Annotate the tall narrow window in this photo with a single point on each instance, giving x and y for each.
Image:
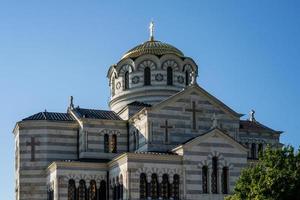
(102, 193)
(137, 139)
(214, 176)
(93, 190)
(248, 152)
(71, 190)
(106, 143)
(204, 179)
(147, 76)
(143, 186)
(113, 87)
(253, 150)
(50, 194)
(169, 76)
(126, 80)
(81, 190)
(187, 77)
(165, 187)
(154, 186)
(114, 143)
(134, 140)
(176, 187)
(115, 192)
(260, 148)
(225, 180)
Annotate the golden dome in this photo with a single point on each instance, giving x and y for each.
(152, 47)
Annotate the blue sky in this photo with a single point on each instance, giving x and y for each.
(247, 52)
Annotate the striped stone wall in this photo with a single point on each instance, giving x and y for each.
(54, 141)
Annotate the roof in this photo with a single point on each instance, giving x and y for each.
(51, 116)
(248, 125)
(152, 47)
(96, 114)
(139, 103)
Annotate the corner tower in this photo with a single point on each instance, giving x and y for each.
(149, 73)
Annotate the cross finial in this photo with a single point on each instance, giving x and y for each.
(215, 121)
(151, 28)
(71, 102)
(252, 115)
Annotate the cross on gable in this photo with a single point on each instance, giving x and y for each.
(166, 127)
(193, 110)
(32, 144)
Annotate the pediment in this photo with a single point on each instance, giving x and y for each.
(199, 94)
(212, 135)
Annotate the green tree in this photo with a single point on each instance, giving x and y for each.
(275, 177)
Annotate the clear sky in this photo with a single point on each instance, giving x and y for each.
(247, 52)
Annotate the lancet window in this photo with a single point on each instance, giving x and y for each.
(143, 186)
(214, 176)
(126, 80)
(154, 186)
(176, 187)
(147, 76)
(165, 187)
(169, 76)
(187, 77)
(71, 190)
(260, 148)
(204, 179)
(93, 190)
(102, 192)
(225, 180)
(114, 143)
(253, 150)
(106, 143)
(82, 190)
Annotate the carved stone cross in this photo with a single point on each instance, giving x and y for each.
(166, 127)
(193, 110)
(32, 144)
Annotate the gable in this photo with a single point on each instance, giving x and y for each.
(214, 139)
(200, 96)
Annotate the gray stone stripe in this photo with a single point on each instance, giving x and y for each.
(232, 155)
(29, 184)
(32, 168)
(165, 116)
(70, 168)
(96, 150)
(118, 125)
(184, 100)
(195, 182)
(48, 135)
(242, 165)
(172, 108)
(155, 161)
(194, 191)
(36, 160)
(237, 174)
(53, 144)
(48, 152)
(216, 145)
(193, 172)
(204, 102)
(49, 128)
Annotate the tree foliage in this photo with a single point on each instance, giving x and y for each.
(275, 177)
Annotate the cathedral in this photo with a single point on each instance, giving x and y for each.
(164, 137)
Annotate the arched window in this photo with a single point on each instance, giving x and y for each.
(165, 187)
(93, 190)
(126, 80)
(115, 192)
(143, 186)
(214, 176)
(147, 76)
(154, 186)
(50, 194)
(113, 87)
(225, 180)
(137, 140)
(106, 143)
(102, 193)
(81, 190)
(134, 140)
(169, 76)
(176, 187)
(253, 150)
(187, 77)
(114, 143)
(248, 152)
(71, 190)
(204, 179)
(260, 148)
